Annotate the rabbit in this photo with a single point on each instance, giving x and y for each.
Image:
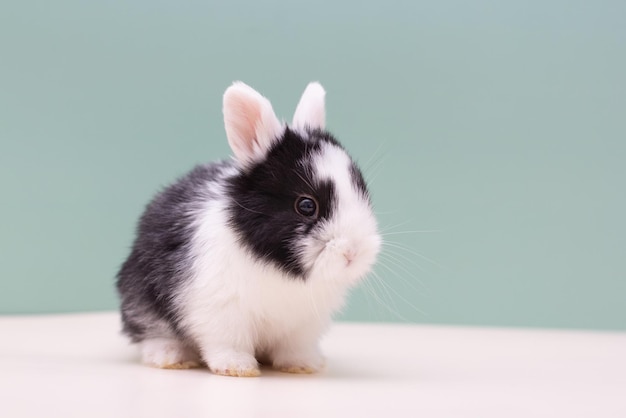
(246, 260)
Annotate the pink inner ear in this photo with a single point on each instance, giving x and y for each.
(250, 123)
(249, 115)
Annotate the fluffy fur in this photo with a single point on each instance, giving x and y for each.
(225, 271)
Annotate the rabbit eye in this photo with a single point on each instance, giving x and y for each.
(306, 206)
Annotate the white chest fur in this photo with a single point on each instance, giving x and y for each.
(233, 295)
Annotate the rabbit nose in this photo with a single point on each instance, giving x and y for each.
(344, 247)
(349, 255)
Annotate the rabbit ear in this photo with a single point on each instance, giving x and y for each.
(311, 110)
(250, 122)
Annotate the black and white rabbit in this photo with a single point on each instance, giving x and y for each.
(249, 258)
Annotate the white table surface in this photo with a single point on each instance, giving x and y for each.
(79, 366)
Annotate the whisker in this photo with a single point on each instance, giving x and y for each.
(394, 310)
(373, 156)
(398, 258)
(371, 177)
(389, 212)
(391, 227)
(371, 171)
(248, 209)
(402, 297)
(401, 276)
(393, 251)
(371, 291)
(417, 231)
(410, 251)
(307, 182)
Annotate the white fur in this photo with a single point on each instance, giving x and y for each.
(250, 122)
(311, 110)
(168, 353)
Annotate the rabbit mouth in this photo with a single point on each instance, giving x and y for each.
(340, 259)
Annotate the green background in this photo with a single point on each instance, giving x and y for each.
(496, 128)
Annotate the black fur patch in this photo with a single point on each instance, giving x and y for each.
(359, 181)
(159, 261)
(263, 200)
